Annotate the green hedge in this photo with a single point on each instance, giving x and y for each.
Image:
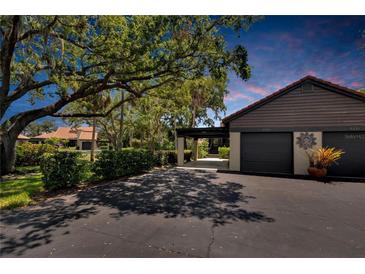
(223, 152)
(203, 148)
(187, 155)
(62, 169)
(113, 164)
(28, 154)
(164, 157)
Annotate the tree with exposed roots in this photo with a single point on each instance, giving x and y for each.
(63, 59)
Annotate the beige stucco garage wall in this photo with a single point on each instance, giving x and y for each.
(301, 162)
(235, 149)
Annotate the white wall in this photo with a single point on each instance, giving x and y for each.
(180, 151)
(235, 151)
(301, 162)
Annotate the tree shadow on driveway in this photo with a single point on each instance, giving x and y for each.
(36, 227)
(175, 193)
(171, 193)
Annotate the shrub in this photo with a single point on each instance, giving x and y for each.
(223, 152)
(103, 147)
(203, 147)
(113, 164)
(164, 157)
(62, 169)
(324, 157)
(54, 141)
(28, 154)
(187, 155)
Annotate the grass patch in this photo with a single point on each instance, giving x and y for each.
(27, 169)
(18, 192)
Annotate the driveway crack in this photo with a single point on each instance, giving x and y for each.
(212, 239)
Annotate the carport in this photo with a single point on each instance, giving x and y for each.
(196, 133)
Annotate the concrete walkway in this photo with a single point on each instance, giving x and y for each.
(193, 213)
(208, 163)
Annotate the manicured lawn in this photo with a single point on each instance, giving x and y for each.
(18, 191)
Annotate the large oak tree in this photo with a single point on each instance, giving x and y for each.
(62, 59)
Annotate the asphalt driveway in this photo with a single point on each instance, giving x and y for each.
(193, 213)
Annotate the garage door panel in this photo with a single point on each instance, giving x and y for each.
(267, 156)
(266, 152)
(266, 167)
(352, 163)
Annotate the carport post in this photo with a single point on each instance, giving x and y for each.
(180, 151)
(195, 149)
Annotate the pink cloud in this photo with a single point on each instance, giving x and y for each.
(357, 84)
(336, 80)
(355, 72)
(290, 40)
(257, 90)
(311, 72)
(235, 95)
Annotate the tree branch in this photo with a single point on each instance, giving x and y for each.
(89, 115)
(39, 31)
(20, 91)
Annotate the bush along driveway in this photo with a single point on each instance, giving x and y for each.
(192, 213)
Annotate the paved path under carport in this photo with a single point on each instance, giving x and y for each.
(193, 213)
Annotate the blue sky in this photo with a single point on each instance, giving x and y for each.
(283, 49)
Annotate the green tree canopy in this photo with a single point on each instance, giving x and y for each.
(36, 128)
(68, 58)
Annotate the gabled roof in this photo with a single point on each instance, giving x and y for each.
(292, 86)
(62, 132)
(68, 133)
(87, 135)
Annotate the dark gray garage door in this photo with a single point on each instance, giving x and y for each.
(267, 152)
(352, 164)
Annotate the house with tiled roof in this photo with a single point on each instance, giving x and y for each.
(80, 137)
(22, 138)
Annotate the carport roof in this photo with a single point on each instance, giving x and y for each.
(207, 132)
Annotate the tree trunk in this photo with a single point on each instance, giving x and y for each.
(7, 151)
(93, 141)
(121, 122)
(193, 117)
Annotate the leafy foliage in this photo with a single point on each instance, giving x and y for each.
(223, 152)
(112, 164)
(29, 154)
(71, 58)
(187, 155)
(54, 141)
(203, 148)
(164, 157)
(37, 128)
(324, 157)
(62, 169)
